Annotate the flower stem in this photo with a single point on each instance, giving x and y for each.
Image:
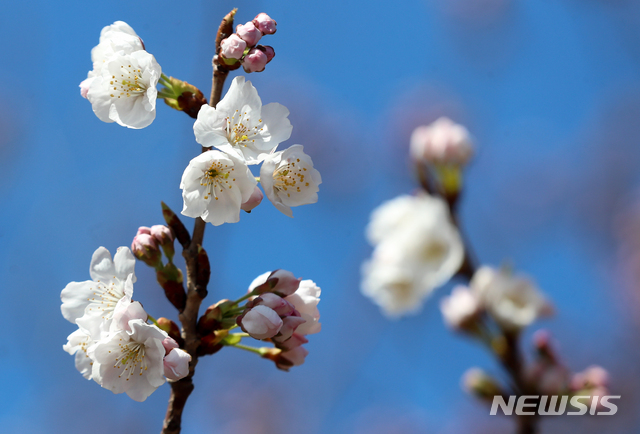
(180, 390)
(241, 299)
(153, 320)
(247, 348)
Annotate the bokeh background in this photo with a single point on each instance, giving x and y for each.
(549, 89)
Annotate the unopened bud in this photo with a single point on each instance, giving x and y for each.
(233, 47)
(260, 322)
(169, 344)
(253, 201)
(289, 325)
(265, 24)
(268, 50)
(249, 33)
(281, 306)
(442, 143)
(461, 309)
(164, 238)
(181, 233)
(477, 382)
(295, 341)
(145, 248)
(210, 319)
(171, 328)
(280, 282)
(176, 364)
(170, 279)
(212, 343)
(284, 360)
(254, 61)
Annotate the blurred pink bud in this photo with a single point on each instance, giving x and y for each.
(294, 357)
(232, 47)
(85, 85)
(249, 33)
(275, 302)
(442, 142)
(176, 364)
(289, 325)
(543, 343)
(253, 201)
(169, 344)
(145, 248)
(591, 378)
(265, 24)
(261, 322)
(254, 61)
(295, 341)
(461, 309)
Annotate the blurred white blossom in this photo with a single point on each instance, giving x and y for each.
(417, 249)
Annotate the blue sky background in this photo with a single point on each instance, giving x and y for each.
(549, 89)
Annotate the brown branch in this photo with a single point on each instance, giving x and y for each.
(180, 390)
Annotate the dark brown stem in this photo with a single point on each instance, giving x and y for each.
(180, 390)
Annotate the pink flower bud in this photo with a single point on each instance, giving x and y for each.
(269, 51)
(232, 47)
(169, 344)
(253, 201)
(144, 230)
(85, 85)
(294, 357)
(442, 142)
(176, 364)
(265, 24)
(275, 302)
(254, 61)
(145, 248)
(287, 282)
(126, 311)
(289, 325)
(249, 33)
(295, 341)
(261, 322)
(164, 236)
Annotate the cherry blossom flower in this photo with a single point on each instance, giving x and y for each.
(176, 364)
(96, 300)
(124, 91)
(130, 361)
(214, 187)
(513, 301)
(417, 249)
(289, 179)
(241, 126)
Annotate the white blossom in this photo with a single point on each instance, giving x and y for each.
(130, 361)
(214, 186)
(92, 303)
(78, 343)
(241, 126)
(417, 249)
(289, 179)
(513, 301)
(124, 90)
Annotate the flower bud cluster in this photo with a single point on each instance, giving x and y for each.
(284, 311)
(113, 344)
(242, 45)
(148, 241)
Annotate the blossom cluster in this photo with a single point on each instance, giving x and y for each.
(242, 45)
(121, 87)
(114, 345)
(217, 184)
(417, 249)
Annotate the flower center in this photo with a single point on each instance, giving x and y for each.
(240, 132)
(107, 296)
(216, 178)
(128, 84)
(132, 360)
(289, 177)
